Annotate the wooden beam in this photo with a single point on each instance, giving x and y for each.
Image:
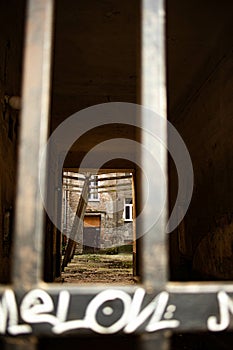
(77, 226)
(115, 178)
(96, 187)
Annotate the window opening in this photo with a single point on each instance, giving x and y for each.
(128, 210)
(93, 192)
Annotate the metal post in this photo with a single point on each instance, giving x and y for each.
(28, 233)
(20, 343)
(154, 254)
(153, 96)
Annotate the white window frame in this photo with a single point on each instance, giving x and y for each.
(130, 206)
(94, 194)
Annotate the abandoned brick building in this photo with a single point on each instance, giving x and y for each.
(94, 57)
(108, 219)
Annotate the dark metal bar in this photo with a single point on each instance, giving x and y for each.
(206, 308)
(29, 343)
(154, 257)
(153, 341)
(154, 252)
(28, 233)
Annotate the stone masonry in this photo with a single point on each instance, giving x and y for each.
(115, 229)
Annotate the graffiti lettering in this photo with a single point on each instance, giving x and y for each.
(225, 309)
(108, 312)
(38, 307)
(9, 316)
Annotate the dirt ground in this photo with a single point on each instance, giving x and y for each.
(99, 268)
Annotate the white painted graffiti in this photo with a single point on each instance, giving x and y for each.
(38, 307)
(225, 310)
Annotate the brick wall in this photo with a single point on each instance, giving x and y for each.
(114, 231)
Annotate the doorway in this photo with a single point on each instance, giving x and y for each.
(91, 233)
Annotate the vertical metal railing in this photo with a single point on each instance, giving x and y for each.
(28, 238)
(28, 233)
(197, 307)
(153, 96)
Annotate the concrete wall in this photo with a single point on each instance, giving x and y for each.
(11, 29)
(204, 241)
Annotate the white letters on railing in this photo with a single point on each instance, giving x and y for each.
(120, 311)
(225, 309)
(37, 307)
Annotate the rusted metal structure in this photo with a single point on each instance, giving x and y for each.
(144, 314)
